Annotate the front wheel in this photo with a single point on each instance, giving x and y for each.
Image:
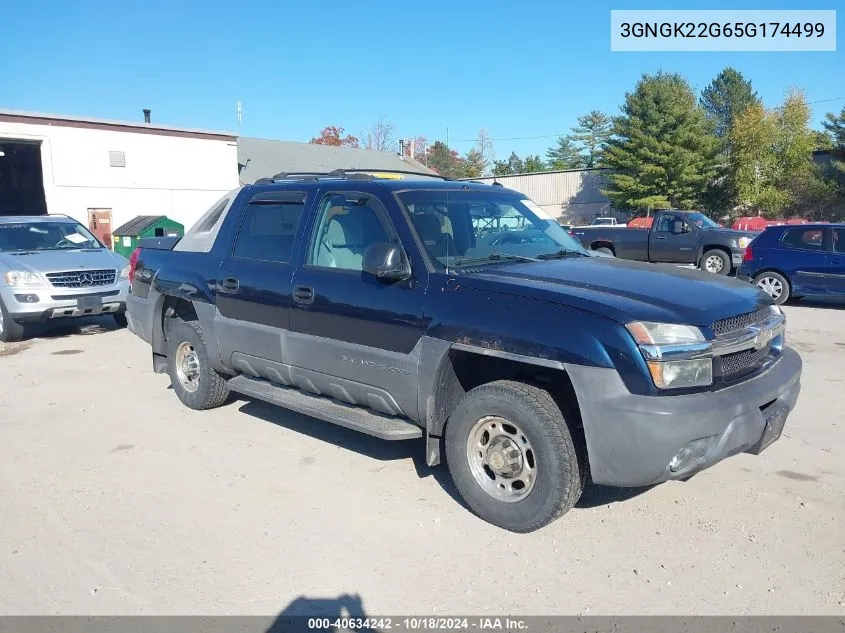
(10, 330)
(196, 383)
(120, 319)
(716, 262)
(512, 457)
(773, 284)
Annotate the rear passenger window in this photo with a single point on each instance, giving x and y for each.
(804, 239)
(268, 229)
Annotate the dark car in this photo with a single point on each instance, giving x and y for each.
(792, 261)
(464, 315)
(675, 237)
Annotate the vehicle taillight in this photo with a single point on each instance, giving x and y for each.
(747, 256)
(133, 261)
(572, 233)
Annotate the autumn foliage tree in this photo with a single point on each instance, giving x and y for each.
(333, 136)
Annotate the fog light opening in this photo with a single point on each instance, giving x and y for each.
(690, 454)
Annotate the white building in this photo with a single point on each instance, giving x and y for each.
(104, 173)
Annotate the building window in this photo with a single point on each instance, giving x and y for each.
(117, 159)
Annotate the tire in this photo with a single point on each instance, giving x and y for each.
(120, 319)
(186, 349)
(557, 473)
(775, 285)
(10, 330)
(716, 262)
(606, 250)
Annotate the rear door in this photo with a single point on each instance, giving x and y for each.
(253, 283)
(805, 259)
(673, 240)
(836, 263)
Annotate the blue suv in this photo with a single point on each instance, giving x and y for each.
(797, 260)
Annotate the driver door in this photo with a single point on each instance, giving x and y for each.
(355, 335)
(673, 240)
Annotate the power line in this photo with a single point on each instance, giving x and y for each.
(531, 138)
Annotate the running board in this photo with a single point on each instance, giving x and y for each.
(351, 417)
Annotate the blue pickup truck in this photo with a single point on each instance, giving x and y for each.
(463, 315)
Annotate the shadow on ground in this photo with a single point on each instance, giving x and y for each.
(372, 447)
(60, 328)
(823, 303)
(382, 450)
(295, 617)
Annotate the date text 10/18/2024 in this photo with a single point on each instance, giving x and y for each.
(418, 624)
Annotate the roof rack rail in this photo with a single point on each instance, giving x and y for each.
(356, 173)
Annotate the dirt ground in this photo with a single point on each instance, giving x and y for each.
(115, 499)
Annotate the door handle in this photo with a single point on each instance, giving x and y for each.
(660, 237)
(230, 284)
(303, 294)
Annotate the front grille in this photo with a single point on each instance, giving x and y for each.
(82, 278)
(739, 364)
(741, 321)
(108, 293)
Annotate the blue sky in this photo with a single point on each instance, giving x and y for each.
(517, 69)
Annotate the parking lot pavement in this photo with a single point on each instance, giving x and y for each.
(116, 499)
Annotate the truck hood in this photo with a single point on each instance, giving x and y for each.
(623, 290)
(731, 233)
(54, 261)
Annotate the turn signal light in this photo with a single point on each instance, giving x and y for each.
(747, 256)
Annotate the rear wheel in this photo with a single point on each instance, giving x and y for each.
(10, 330)
(512, 456)
(716, 262)
(196, 384)
(773, 284)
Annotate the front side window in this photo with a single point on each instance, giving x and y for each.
(804, 239)
(346, 225)
(459, 228)
(268, 229)
(45, 236)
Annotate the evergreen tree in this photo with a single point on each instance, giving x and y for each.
(662, 150)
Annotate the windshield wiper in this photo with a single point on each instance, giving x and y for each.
(564, 252)
(495, 257)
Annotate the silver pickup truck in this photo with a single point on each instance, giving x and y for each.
(52, 267)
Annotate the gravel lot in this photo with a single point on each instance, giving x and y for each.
(115, 499)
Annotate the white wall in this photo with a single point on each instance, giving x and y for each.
(164, 175)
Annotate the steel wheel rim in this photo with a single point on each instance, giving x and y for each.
(714, 264)
(501, 459)
(187, 366)
(771, 286)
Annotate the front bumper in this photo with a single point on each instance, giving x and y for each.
(27, 305)
(632, 440)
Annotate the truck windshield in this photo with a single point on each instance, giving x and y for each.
(463, 228)
(701, 221)
(45, 236)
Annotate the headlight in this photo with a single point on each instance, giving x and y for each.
(744, 241)
(124, 272)
(22, 278)
(675, 374)
(677, 355)
(650, 333)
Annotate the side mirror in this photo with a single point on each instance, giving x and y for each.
(386, 261)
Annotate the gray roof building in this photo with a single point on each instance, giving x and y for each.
(262, 158)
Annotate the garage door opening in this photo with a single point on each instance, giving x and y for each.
(21, 178)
